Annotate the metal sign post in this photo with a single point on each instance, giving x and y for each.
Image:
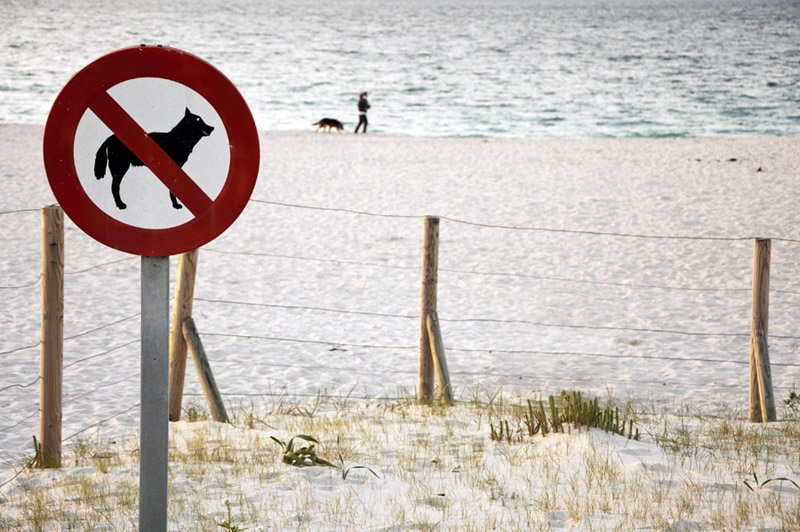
(154, 437)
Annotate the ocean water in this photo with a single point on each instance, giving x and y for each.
(497, 68)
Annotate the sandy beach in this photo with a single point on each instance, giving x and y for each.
(614, 267)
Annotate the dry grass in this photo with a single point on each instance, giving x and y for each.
(402, 466)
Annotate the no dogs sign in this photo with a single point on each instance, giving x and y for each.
(151, 150)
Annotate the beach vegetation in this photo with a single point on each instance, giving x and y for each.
(529, 463)
(563, 413)
(228, 523)
(301, 455)
(792, 403)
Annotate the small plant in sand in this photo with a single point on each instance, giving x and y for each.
(194, 413)
(579, 412)
(569, 409)
(227, 524)
(302, 456)
(503, 433)
(36, 461)
(793, 402)
(347, 469)
(306, 455)
(756, 484)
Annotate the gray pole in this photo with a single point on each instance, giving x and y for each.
(153, 447)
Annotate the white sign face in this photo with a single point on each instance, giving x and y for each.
(158, 105)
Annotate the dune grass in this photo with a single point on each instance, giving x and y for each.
(340, 463)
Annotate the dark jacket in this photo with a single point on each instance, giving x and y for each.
(363, 105)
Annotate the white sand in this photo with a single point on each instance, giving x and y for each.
(531, 312)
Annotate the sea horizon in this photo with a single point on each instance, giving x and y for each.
(526, 68)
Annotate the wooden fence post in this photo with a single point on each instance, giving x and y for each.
(184, 296)
(759, 321)
(52, 336)
(439, 359)
(210, 390)
(764, 372)
(430, 260)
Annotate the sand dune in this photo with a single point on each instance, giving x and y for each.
(601, 265)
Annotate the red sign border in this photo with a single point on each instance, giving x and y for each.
(152, 62)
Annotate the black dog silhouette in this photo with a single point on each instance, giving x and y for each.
(177, 143)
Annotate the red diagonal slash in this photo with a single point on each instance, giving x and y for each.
(145, 148)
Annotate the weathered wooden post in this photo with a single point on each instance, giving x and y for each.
(439, 359)
(759, 322)
(184, 296)
(764, 372)
(430, 265)
(52, 333)
(207, 381)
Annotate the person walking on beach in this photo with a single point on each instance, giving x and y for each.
(363, 105)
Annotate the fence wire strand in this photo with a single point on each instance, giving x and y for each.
(476, 376)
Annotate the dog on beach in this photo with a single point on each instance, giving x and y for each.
(328, 124)
(177, 143)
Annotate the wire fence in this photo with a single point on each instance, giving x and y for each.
(328, 304)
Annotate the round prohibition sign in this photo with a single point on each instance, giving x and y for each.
(88, 92)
